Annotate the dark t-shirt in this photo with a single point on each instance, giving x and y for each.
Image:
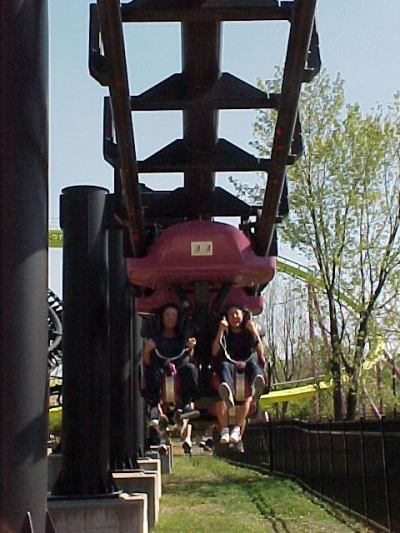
(169, 347)
(240, 345)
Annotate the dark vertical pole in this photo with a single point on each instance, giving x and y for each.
(138, 411)
(386, 475)
(85, 429)
(23, 260)
(319, 458)
(331, 460)
(201, 43)
(121, 361)
(310, 482)
(346, 464)
(364, 473)
(271, 447)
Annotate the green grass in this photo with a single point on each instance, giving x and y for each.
(206, 494)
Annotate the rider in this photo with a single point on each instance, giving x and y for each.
(242, 341)
(169, 341)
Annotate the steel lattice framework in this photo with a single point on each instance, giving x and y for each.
(199, 91)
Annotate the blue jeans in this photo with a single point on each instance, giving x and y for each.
(226, 372)
(188, 377)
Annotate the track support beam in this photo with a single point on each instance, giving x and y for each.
(296, 58)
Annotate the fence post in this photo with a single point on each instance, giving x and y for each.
(271, 447)
(331, 459)
(294, 444)
(319, 457)
(363, 466)
(301, 450)
(346, 465)
(385, 473)
(309, 456)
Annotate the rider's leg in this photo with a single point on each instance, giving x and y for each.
(256, 379)
(222, 414)
(223, 421)
(189, 379)
(241, 414)
(242, 411)
(225, 390)
(187, 436)
(153, 378)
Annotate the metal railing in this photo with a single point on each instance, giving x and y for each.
(352, 463)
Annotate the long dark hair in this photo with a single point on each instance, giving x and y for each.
(246, 314)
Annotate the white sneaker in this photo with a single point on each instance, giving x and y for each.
(225, 393)
(258, 387)
(235, 435)
(224, 436)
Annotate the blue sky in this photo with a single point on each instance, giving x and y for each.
(361, 40)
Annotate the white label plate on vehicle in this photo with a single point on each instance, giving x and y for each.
(202, 248)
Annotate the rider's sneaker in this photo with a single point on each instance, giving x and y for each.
(224, 436)
(163, 449)
(258, 387)
(206, 443)
(225, 393)
(163, 422)
(235, 435)
(187, 445)
(189, 413)
(177, 417)
(239, 448)
(154, 421)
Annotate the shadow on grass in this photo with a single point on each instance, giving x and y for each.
(278, 502)
(225, 487)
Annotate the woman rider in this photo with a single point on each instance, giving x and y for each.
(169, 342)
(242, 343)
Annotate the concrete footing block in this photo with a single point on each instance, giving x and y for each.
(152, 465)
(165, 458)
(145, 482)
(126, 513)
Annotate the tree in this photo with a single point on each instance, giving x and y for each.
(284, 321)
(345, 217)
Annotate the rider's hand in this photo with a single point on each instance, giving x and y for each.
(150, 345)
(191, 343)
(223, 325)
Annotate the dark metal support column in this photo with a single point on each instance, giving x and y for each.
(85, 429)
(201, 43)
(298, 47)
(123, 452)
(23, 263)
(138, 412)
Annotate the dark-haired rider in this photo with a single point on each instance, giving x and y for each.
(169, 341)
(243, 344)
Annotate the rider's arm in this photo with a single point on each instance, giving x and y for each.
(215, 347)
(191, 343)
(148, 348)
(257, 341)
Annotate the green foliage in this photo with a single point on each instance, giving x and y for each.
(55, 418)
(345, 205)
